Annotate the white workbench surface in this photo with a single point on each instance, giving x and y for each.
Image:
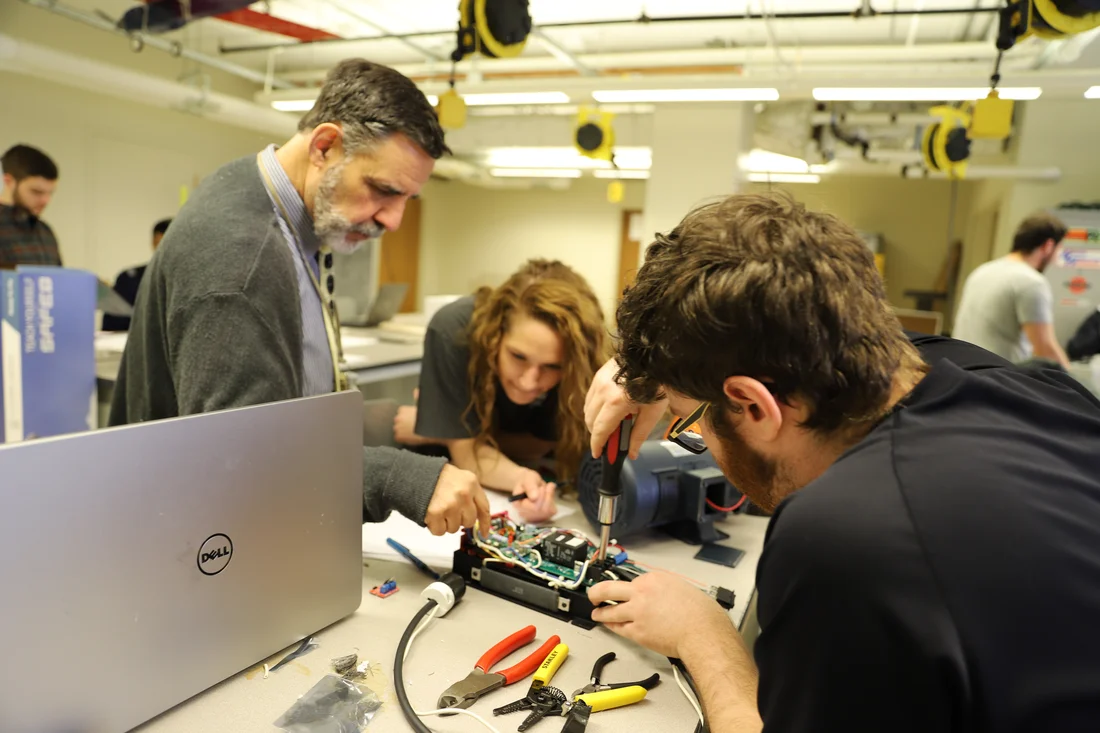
(446, 651)
(368, 350)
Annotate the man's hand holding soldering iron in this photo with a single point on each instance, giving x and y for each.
(658, 610)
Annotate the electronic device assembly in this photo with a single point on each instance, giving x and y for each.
(546, 569)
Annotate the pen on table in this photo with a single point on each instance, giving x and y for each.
(412, 558)
(520, 497)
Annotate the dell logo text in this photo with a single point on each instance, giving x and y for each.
(215, 554)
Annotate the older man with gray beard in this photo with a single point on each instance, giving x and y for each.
(237, 306)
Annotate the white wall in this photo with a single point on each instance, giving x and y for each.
(1059, 132)
(912, 216)
(695, 158)
(121, 165)
(474, 236)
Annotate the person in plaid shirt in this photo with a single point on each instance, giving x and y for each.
(30, 178)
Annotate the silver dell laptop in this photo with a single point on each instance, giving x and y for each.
(146, 563)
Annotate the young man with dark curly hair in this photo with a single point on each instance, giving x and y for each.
(933, 557)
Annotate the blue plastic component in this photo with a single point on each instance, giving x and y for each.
(388, 586)
(620, 558)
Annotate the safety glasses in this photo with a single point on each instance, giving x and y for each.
(683, 434)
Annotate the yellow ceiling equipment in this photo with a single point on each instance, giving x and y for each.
(493, 28)
(945, 145)
(1048, 19)
(991, 118)
(593, 135)
(451, 110)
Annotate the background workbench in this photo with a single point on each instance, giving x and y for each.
(448, 648)
(384, 365)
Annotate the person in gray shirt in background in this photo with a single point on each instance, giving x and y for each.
(236, 307)
(1007, 305)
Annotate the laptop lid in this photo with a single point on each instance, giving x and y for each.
(387, 303)
(378, 417)
(145, 563)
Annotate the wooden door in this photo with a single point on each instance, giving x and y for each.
(399, 259)
(630, 245)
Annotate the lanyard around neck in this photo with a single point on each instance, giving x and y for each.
(328, 304)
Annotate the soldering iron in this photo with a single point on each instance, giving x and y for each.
(614, 456)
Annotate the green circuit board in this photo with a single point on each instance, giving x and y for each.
(526, 546)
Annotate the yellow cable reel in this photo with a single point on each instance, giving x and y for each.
(494, 28)
(1057, 18)
(594, 136)
(945, 145)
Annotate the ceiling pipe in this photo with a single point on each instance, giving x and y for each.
(872, 118)
(1063, 83)
(729, 59)
(640, 20)
(42, 62)
(914, 24)
(1020, 173)
(965, 35)
(559, 52)
(356, 15)
(175, 48)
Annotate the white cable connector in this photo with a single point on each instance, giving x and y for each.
(442, 594)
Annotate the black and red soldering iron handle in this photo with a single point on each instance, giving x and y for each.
(614, 456)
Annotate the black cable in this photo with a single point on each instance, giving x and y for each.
(701, 726)
(399, 670)
(995, 78)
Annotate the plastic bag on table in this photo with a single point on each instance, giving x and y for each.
(333, 705)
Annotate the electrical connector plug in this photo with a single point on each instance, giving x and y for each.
(446, 592)
(724, 596)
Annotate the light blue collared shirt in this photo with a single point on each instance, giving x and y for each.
(317, 377)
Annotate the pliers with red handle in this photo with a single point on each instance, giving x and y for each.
(482, 679)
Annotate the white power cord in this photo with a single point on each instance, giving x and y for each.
(442, 594)
(421, 627)
(687, 693)
(460, 711)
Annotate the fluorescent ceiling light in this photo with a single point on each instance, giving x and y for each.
(488, 100)
(293, 105)
(305, 105)
(686, 95)
(635, 158)
(784, 177)
(535, 172)
(640, 175)
(764, 161)
(1092, 93)
(919, 94)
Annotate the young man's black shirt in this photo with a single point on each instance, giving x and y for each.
(944, 574)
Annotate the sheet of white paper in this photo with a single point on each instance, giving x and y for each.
(108, 342)
(356, 342)
(437, 552)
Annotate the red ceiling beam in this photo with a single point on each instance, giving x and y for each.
(271, 24)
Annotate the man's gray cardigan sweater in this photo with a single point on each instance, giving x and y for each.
(218, 325)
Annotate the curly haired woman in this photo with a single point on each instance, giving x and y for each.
(503, 381)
